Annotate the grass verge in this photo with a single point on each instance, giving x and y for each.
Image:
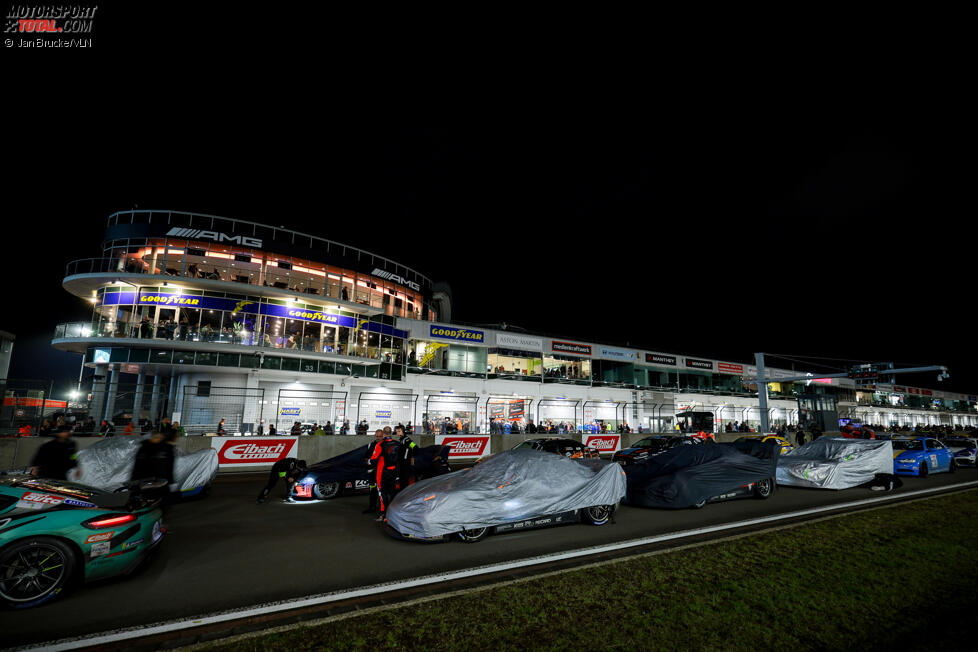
(904, 577)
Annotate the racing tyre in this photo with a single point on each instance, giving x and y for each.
(34, 571)
(764, 488)
(598, 515)
(471, 536)
(326, 490)
(923, 470)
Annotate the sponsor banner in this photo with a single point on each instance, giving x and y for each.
(926, 392)
(517, 409)
(78, 503)
(465, 445)
(102, 536)
(726, 367)
(913, 390)
(243, 452)
(496, 410)
(519, 342)
(658, 358)
(699, 364)
(290, 411)
(458, 334)
(395, 278)
(616, 354)
(603, 443)
(383, 414)
(571, 347)
(216, 236)
(897, 388)
(42, 498)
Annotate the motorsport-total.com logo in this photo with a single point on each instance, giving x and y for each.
(46, 25)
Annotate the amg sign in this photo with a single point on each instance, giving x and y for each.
(390, 276)
(196, 234)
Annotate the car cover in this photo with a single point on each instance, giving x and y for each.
(348, 467)
(107, 464)
(687, 475)
(508, 487)
(835, 463)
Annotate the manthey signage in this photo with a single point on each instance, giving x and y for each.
(457, 334)
(570, 347)
(661, 360)
(519, 342)
(692, 363)
(216, 236)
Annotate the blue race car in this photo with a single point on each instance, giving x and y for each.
(921, 456)
(964, 450)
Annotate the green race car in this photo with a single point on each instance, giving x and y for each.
(54, 532)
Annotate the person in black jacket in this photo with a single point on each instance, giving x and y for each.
(55, 458)
(289, 469)
(405, 458)
(154, 459)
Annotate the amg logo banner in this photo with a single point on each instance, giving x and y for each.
(195, 234)
(390, 276)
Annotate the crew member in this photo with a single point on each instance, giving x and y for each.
(55, 458)
(405, 458)
(154, 459)
(385, 454)
(290, 469)
(372, 504)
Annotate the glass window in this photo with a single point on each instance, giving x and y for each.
(271, 363)
(210, 325)
(161, 356)
(228, 360)
(206, 358)
(290, 364)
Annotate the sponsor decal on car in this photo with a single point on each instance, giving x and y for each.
(99, 549)
(101, 536)
(603, 443)
(78, 503)
(132, 544)
(465, 446)
(45, 499)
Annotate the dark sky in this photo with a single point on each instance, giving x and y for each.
(839, 243)
(715, 221)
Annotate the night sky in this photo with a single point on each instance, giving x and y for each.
(807, 236)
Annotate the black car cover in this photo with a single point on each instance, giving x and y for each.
(349, 467)
(686, 475)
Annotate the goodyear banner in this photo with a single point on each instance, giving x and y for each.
(458, 334)
(165, 299)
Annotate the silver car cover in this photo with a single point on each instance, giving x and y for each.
(835, 463)
(107, 464)
(508, 487)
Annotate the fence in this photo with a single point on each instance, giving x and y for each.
(203, 407)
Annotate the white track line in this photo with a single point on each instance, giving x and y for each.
(115, 636)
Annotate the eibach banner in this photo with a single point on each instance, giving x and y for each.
(247, 452)
(469, 446)
(603, 443)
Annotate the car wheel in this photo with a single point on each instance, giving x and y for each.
(923, 470)
(34, 571)
(471, 536)
(326, 490)
(764, 488)
(598, 515)
(700, 504)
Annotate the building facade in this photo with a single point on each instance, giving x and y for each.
(203, 318)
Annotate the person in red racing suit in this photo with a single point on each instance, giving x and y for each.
(385, 456)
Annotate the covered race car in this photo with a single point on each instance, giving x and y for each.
(348, 473)
(921, 456)
(650, 446)
(838, 463)
(691, 476)
(54, 531)
(964, 450)
(514, 490)
(108, 464)
(786, 446)
(560, 445)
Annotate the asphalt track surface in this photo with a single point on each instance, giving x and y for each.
(226, 552)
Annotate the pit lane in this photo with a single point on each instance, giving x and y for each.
(226, 553)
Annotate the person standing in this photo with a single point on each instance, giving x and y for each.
(154, 459)
(800, 437)
(55, 458)
(220, 428)
(289, 469)
(385, 454)
(405, 458)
